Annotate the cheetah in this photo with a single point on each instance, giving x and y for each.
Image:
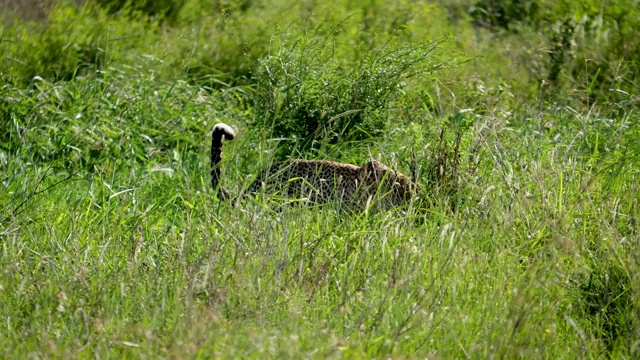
(319, 181)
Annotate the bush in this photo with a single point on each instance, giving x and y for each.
(594, 49)
(589, 47)
(605, 303)
(503, 14)
(162, 9)
(73, 42)
(306, 94)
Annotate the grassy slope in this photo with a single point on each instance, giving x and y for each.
(113, 245)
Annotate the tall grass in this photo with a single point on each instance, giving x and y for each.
(113, 245)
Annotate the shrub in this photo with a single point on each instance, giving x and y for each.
(162, 9)
(307, 94)
(605, 302)
(503, 14)
(74, 41)
(594, 49)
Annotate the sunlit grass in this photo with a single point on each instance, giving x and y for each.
(112, 243)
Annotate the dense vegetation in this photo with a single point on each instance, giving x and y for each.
(519, 117)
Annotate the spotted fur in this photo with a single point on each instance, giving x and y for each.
(320, 181)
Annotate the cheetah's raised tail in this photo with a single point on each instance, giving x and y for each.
(219, 132)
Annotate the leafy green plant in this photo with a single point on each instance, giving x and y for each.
(504, 14)
(306, 95)
(593, 49)
(73, 42)
(605, 302)
(161, 9)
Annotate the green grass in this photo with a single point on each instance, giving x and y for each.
(112, 243)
